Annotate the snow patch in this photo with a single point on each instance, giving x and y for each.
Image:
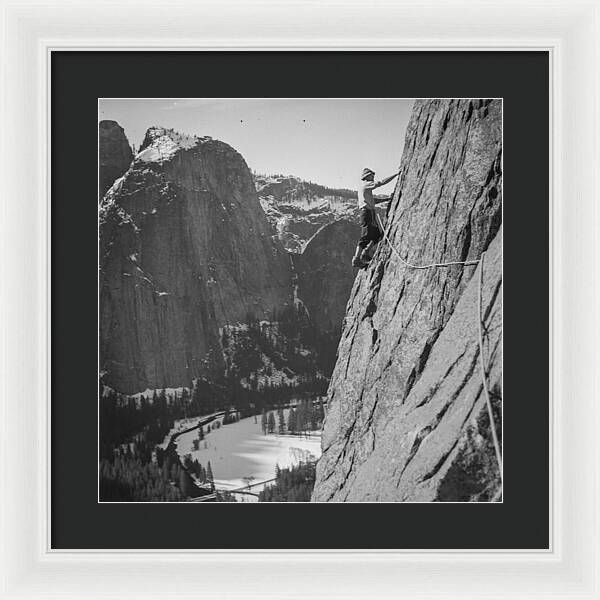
(165, 144)
(240, 450)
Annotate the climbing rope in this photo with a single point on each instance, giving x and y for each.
(485, 387)
(467, 263)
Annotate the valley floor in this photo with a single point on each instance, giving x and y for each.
(241, 450)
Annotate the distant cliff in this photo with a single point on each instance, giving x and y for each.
(326, 275)
(406, 417)
(114, 155)
(297, 209)
(185, 249)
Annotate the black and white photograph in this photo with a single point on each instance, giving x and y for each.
(300, 300)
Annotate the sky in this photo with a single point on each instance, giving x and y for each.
(327, 141)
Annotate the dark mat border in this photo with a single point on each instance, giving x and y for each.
(79, 79)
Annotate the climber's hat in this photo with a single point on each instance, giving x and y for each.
(366, 172)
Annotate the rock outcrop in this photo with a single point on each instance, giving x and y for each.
(185, 249)
(325, 273)
(115, 155)
(297, 209)
(406, 417)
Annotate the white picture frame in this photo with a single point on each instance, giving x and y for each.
(568, 30)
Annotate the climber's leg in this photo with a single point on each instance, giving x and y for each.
(375, 235)
(356, 260)
(364, 240)
(365, 228)
(369, 236)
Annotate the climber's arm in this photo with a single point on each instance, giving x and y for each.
(386, 180)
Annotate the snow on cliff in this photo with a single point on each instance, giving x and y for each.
(297, 209)
(204, 255)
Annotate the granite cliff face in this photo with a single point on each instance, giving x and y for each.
(185, 249)
(406, 417)
(325, 273)
(115, 154)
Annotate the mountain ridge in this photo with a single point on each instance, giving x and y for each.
(185, 249)
(297, 209)
(188, 259)
(114, 155)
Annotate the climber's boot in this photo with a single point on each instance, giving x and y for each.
(357, 260)
(365, 255)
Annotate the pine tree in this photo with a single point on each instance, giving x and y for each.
(184, 483)
(292, 421)
(185, 397)
(313, 417)
(196, 399)
(321, 409)
(209, 477)
(271, 423)
(224, 338)
(263, 422)
(281, 421)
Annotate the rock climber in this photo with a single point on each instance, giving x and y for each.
(370, 233)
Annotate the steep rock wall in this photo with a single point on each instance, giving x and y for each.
(185, 249)
(406, 418)
(114, 154)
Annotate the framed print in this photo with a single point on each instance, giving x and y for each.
(331, 315)
(252, 399)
